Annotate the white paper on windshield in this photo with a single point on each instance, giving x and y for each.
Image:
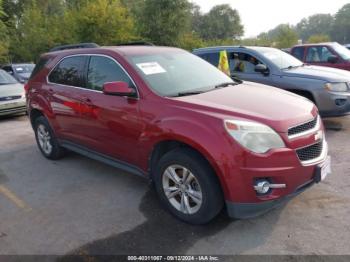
(151, 68)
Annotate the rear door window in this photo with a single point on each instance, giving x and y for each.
(212, 58)
(298, 52)
(69, 71)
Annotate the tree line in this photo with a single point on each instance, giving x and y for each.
(31, 27)
(314, 29)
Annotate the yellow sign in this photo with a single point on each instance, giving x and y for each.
(223, 63)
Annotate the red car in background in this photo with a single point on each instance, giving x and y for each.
(323, 54)
(205, 140)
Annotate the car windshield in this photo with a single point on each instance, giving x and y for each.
(24, 69)
(6, 79)
(175, 73)
(342, 51)
(281, 59)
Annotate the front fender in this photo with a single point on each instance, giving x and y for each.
(209, 139)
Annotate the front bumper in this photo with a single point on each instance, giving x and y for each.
(332, 104)
(250, 210)
(13, 107)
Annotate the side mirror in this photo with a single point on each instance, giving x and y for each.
(260, 68)
(118, 89)
(332, 59)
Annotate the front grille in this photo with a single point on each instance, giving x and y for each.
(303, 127)
(9, 98)
(310, 152)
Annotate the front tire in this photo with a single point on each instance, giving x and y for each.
(188, 187)
(46, 139)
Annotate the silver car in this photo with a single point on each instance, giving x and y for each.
(12, 95)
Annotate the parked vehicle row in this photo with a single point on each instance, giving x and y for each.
(328, 88)
(21, 72)
(206, 141)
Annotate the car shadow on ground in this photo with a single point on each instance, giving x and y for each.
(161, 234)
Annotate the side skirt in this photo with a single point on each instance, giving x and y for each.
(103, 158)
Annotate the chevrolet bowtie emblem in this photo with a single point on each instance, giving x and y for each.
(319, 136)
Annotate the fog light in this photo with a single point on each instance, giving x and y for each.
(263, 186)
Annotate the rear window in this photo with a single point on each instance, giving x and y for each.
(69, 71)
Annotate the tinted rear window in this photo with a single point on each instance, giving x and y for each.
(69, 71)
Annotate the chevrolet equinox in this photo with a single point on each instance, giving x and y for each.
(205, 140)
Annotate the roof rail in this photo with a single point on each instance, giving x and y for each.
(75, 46)
(137, 43)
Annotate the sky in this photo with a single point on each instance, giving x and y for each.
(262, 15)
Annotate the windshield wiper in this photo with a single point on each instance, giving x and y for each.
(227, 84)
(291, 67)
(189, 93)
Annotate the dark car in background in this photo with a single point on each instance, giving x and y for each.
(323, 54)
(21, 72)
(328, 88)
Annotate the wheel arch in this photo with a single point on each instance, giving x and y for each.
(164, 146)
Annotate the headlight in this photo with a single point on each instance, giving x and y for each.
(254, 136)
(336, 87)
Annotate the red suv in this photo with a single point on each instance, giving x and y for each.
(323, 54)
(205, 140)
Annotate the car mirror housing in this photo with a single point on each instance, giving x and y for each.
(118, 89)
(261, 68)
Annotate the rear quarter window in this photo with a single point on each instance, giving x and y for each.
(298, 52)
(39, 66)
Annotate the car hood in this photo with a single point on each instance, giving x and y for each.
(25, 75)
(250, 101)
(11, 90)
(319, 72)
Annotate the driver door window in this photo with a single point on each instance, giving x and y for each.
(319, 54)
(243, 63)
(103, 70)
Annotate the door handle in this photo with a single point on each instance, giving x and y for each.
(87, 101)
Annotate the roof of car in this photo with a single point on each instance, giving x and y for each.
(17, 64)
(317, 44)
(215, 48)
(128, 50)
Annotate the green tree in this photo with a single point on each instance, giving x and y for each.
(222, 22)
(285, 37)
(106, 22)
(341, 29)
(164, 22)
(4, 43)
(319, 24)
(320, 38)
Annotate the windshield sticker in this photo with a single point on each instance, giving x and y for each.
(151, 68)
(19, 69)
